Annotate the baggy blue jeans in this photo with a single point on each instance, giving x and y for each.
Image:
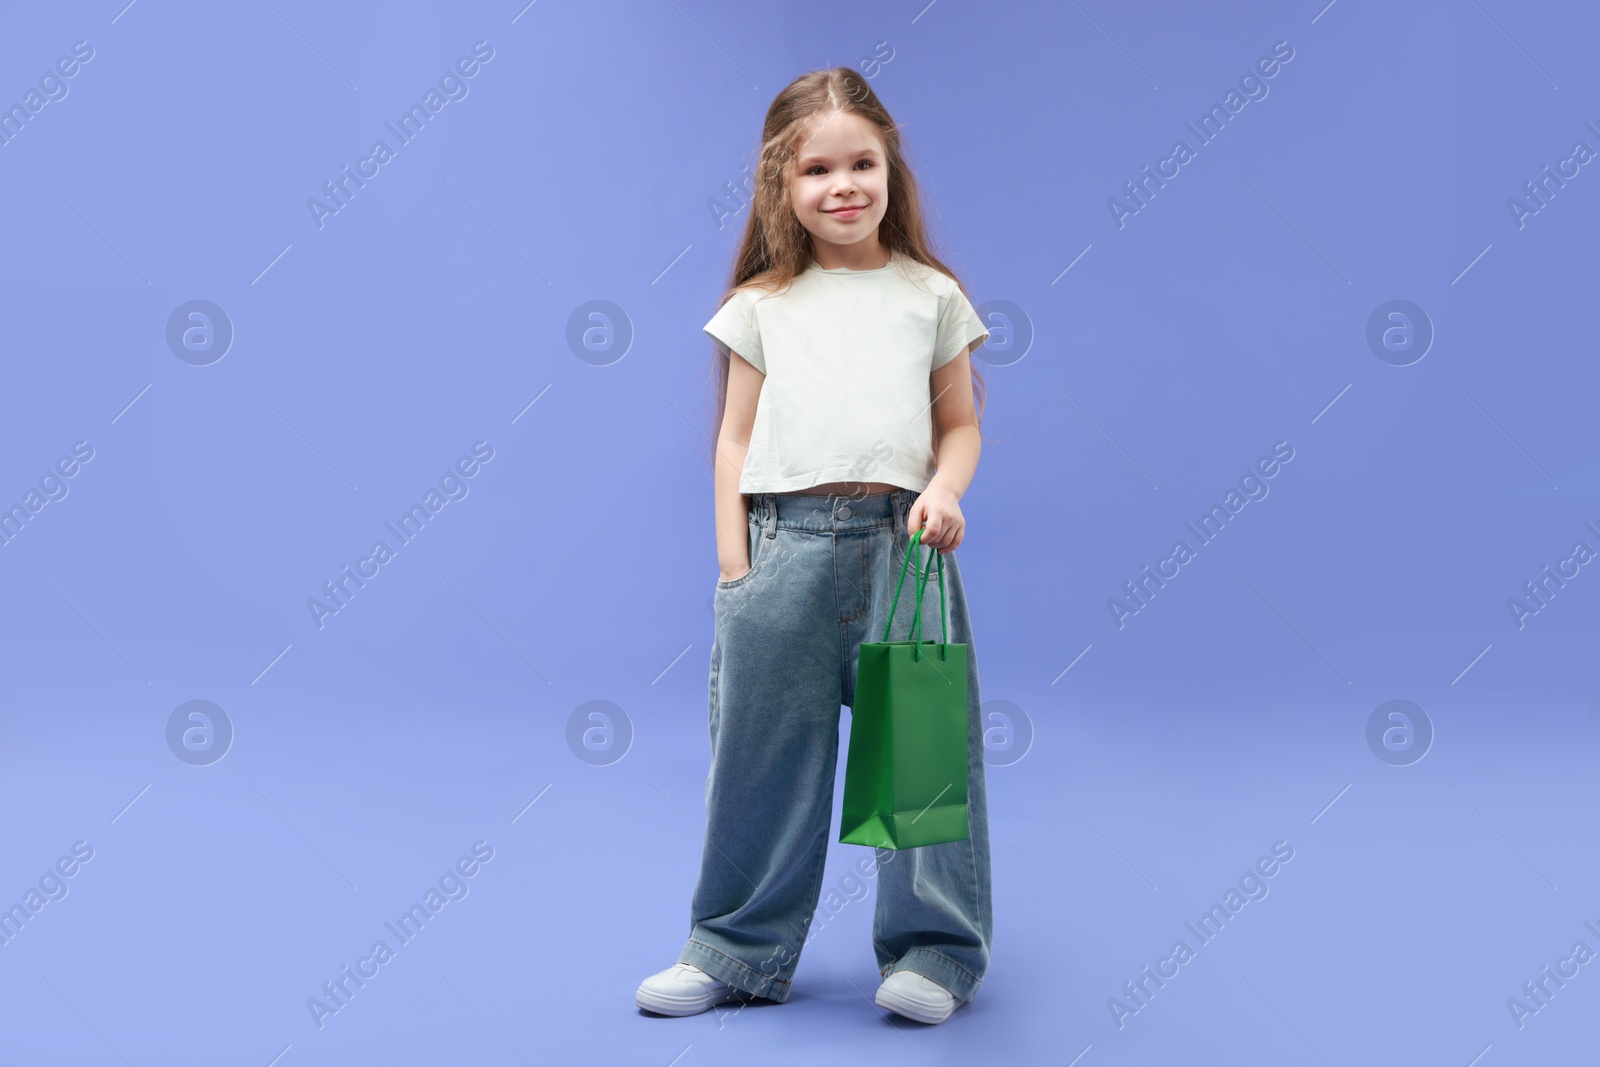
(783, 664)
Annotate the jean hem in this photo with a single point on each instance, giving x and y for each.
(725, 968)
(929, 963)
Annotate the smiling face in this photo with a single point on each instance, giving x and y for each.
(840, 165)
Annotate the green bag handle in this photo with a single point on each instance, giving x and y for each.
(922, 581)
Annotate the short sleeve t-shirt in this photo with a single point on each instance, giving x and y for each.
(846, 356)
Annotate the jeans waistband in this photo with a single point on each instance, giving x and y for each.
(830, 514)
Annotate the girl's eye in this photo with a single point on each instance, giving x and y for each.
(819, 166)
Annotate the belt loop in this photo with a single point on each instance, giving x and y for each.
(769, 519)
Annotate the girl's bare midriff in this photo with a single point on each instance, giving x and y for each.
(848, 489)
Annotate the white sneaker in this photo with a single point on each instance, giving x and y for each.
(684, 989)
(915, 996)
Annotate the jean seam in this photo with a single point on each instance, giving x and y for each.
(816, 885)
(866, 600)
(985, 906)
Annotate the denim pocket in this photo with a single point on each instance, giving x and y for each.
(757, 550)
(921, 559)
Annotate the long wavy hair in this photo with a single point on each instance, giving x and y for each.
(776, 248)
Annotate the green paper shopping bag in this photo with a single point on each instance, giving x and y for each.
(905, 781)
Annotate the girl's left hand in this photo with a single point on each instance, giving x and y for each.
(937, 513)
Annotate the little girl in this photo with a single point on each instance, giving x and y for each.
(847, 359)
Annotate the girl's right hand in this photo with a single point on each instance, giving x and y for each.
(723, 574)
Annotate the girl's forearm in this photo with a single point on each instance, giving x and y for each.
(733, 508)
(957, 460)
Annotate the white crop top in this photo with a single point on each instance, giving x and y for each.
(846, 356)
